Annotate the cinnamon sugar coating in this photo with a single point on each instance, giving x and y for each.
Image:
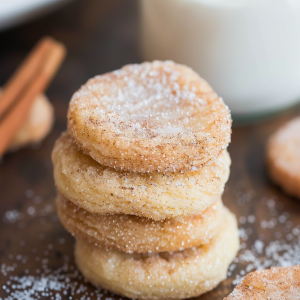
(130, 234)
(276, 283)
(150, 117)
(165, 275)
(100, 189)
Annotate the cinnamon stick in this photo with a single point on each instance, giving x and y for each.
(24, 74)
(42, 65)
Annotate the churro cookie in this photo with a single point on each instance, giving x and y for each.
(165, 275)
(158, 196)
(283, 157)
(150, 117)
(273, 284)
(130, 234)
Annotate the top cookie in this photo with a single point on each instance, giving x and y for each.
(150, 117)
(283, 157)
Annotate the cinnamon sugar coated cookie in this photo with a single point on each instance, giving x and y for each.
(158, 196)
(164, 275)
(150, 117)
(130, 234)
(276, 283)
(283, 157)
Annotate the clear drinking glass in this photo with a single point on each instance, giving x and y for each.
(248, 50)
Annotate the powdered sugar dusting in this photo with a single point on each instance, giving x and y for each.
(282, 248)
(148, 117)
(40, 269)
(144, 94)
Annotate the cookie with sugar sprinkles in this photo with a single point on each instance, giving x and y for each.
(100, 189)
(283, 157)
(150, 117)
(165, 275)
(276, 283)
(134, 234)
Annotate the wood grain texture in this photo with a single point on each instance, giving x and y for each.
(102, 36)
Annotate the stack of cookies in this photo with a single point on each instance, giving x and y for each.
(140, 174)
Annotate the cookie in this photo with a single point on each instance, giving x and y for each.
(165, 275)
(130, 234)
(271, 284)
(100, 189)
(150, 117)
(283, 157)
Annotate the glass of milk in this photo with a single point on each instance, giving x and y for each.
(248, 50)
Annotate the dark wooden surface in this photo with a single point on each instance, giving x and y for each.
(103, 36)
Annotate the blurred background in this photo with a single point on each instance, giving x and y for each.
(247, 50)
(99, 36)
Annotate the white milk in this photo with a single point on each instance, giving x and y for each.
(248, 50)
